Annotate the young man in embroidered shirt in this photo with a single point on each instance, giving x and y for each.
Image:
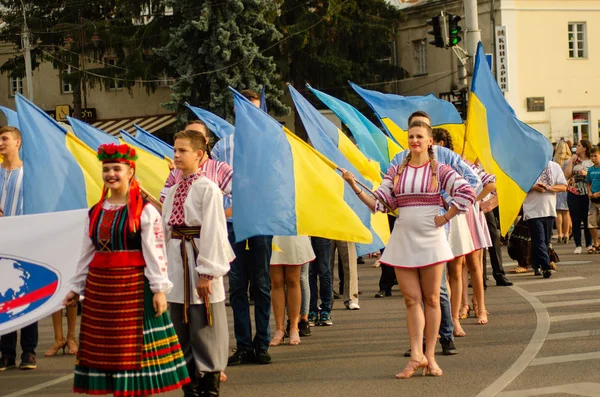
(11, 204)
(199, 254)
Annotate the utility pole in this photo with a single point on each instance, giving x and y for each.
(472, 34)
(27, 49)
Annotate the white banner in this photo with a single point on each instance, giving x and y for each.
(38, 257)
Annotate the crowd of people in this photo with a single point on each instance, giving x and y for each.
(168, 323)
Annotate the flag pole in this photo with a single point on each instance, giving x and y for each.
(368, 190)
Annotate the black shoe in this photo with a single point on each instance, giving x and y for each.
(241, 357)
(448, 348)
(191, 389)
(383, 293)
(502, 281)
(7, 363)
(28, 361)
(537, 272)
(360, 260)
(209, 383)
(263, 357)
(304, 328)
(547, 273)
(336, 295)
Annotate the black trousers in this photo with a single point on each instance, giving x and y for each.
(495, 251)
(388, 275)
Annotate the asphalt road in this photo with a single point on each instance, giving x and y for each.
(543, 339)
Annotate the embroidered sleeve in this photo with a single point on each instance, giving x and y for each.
(385, 193)
(216, 152)
(172, 179)
(154, 250)
(457, 187)
(214, 250)
(83, 267)
(225, 177)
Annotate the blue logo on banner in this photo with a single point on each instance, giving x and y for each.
(24, 287)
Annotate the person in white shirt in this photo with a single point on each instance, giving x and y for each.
(539, 211)
(199, 254)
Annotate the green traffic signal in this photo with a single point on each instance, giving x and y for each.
(454, 30)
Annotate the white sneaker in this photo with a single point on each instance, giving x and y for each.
(353, 306)
(577, 250)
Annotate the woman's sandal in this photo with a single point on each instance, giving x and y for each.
(278, 338)
(294, 337)
(458, 332)
(72, 347)
(482, 318)
(464, 312)
(412, 367)
(433, 369)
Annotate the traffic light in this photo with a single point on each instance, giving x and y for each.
(453, 30)
(437, 24)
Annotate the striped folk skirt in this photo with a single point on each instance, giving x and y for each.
(111, 359)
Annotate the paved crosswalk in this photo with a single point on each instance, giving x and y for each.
(567, 338)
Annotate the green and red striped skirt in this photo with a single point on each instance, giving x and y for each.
(124, 349)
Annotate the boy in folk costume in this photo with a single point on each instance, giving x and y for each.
(199, 254)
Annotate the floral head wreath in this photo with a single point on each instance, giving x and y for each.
(112, 153)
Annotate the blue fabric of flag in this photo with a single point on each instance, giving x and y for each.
(153, 142)
(91, 136)
(220, 127)
(54, 181)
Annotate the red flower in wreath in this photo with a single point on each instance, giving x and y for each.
(110, 149)
(123, 149)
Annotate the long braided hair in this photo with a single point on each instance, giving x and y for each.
(432, 161)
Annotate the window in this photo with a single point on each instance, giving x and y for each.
(577, 40)
(15, 85)
(65, 87)
(420, 55)
(581, 126)
(113, 84)
(166, 81)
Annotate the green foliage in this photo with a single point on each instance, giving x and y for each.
(336, 41)
(214, 44)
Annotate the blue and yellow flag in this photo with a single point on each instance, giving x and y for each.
(283, 187)
(370, 140)
(133, 141)
(153, 142)
(394, 111)
(90, 135)
(508, 148)
(328, 140)
(152, 170)
(61, 172)
(263, 99)
(220, 127)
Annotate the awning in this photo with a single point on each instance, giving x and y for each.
(148, 123)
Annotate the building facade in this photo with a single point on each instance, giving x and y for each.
(111, 107)
(549, 56)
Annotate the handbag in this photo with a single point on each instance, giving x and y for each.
(553, 255)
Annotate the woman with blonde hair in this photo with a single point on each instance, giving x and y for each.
(418, 247)
(563, 219)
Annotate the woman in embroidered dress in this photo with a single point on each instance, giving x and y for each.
(418, 246)
(468, 236)
(128, 346)
(286, 266)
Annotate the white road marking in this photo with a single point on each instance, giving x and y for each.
(579, 389)
(573, 303)
(552, 280)
(532, 349)
(40, 386)
(566, 291)
(574, 334)
(579, 316)
(567, 358)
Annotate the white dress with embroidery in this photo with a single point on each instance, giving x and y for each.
(416, 240)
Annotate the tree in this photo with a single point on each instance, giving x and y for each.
(216, 44)
(332, 42)
(76, 35)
